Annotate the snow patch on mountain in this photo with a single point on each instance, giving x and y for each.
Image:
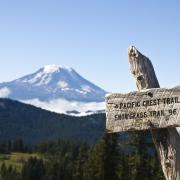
(63, 106)
(43, 77)
(55, 68)
(51, 68)
(56, 88)
(4, 92)
(62, 84)
(86, 88)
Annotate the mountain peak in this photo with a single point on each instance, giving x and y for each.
(54, 68)
(56, 88)
(53, 82)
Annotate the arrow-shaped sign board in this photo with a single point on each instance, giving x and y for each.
(149, 109)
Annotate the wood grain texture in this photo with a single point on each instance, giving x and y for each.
(150, 109)
(167, 141)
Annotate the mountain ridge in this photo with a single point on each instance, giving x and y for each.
(35, 125)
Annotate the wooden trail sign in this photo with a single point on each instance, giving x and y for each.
(166, 140)
(150, 109)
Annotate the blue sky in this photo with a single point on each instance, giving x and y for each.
(92, 36)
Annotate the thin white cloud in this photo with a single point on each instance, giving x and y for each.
(62, 106)
(4, 92)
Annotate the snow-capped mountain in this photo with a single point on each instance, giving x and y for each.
(53, 85)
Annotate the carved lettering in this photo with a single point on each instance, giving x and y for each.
(156, 108)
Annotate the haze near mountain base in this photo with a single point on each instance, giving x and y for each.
(56, 88)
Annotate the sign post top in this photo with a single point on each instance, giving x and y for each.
(156, 110)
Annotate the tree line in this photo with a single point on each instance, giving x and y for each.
(107, 160)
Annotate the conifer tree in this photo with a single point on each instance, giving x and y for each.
(78, 167)
(103, 161)
(33, 169)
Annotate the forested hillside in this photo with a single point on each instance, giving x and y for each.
(39, 145)
(34, 125)
(68, 160)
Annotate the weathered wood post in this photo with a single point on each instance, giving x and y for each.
(151, 107)
(167, 140)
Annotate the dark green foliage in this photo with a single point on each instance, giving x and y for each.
(65, 160)
(143, 161)
(33, 169)
(104, 159)
(13, 146)
(34, 125)
(130, 156)
(78, 165)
